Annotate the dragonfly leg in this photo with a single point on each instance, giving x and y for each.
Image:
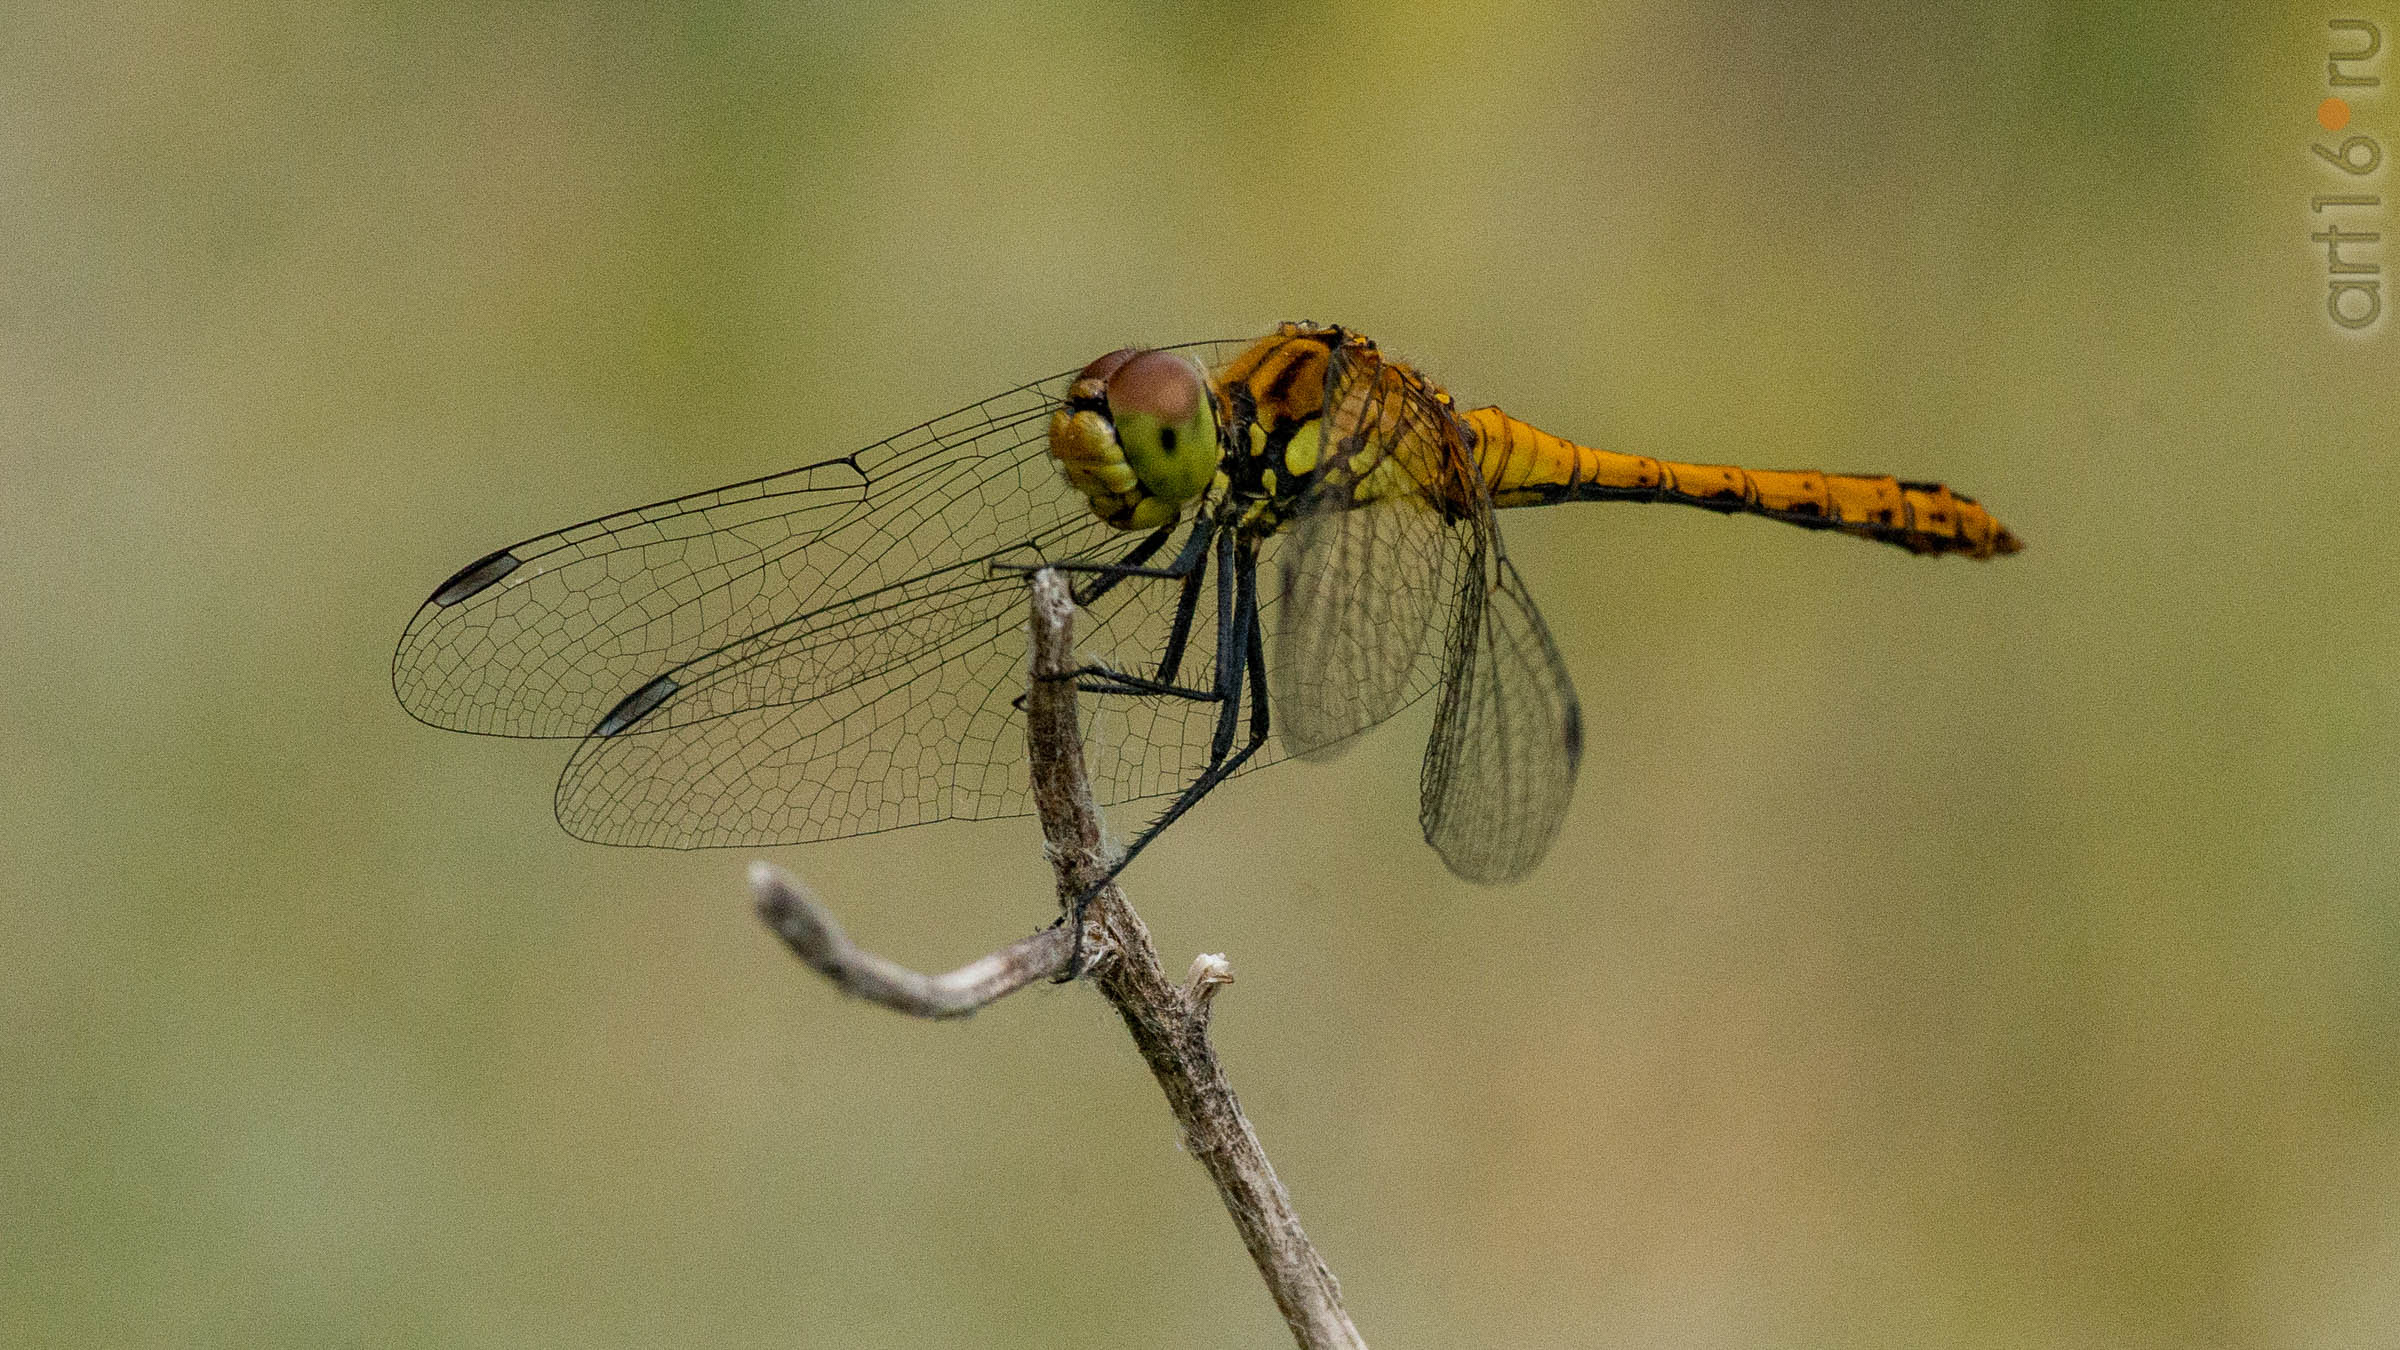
(1186, 604)
(1190, 564)
(1096, 679)
(1238, 629)
(1107, 680)
(1110, 573)
(1189, 561)
(1194, 550)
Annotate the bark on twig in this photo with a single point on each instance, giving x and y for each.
(1169, 1021)
(797, 917)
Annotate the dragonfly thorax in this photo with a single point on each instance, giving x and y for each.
(1137, 436)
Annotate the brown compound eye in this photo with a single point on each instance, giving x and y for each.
(1158, 403)
(1108, 365)
(1160, 384)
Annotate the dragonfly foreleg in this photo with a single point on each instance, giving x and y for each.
(1104, 680)
(1237, 612)
(1188, 562)
(1099, 679)
(1170, 663)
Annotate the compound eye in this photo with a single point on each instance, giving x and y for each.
(1107, 365)
(1159, 384)
(1159, 403)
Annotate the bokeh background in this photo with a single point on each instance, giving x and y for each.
(1937, 954)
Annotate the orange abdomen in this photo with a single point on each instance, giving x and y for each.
(1526, 466)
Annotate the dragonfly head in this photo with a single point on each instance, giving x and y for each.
(1138, 436)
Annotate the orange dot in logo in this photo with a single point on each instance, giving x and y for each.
(2333, 114)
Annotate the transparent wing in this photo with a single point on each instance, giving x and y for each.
(818, 653)
(896, 710)
(546, 637)
(1397, 584)
(1508, 739)
(1372, 573)
(1360, 590)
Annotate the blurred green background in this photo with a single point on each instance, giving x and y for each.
(1937, 954)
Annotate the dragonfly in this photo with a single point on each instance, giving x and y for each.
(1276, 545)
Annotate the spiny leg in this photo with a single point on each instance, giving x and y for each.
(1132, 558)
(1190, 565)
(1237, 623)
(1185, 566)
(1171, 663)
(1130, 563)
(1187, 561)
(1224, 760)
(1226, 694)
(1103, 680)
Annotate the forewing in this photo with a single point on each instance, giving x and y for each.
(546, 637)
(892, 711)
(822, 652)
(1508, 739)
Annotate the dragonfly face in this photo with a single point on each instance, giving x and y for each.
(1138, 436)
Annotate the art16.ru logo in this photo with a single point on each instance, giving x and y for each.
(2353, 281)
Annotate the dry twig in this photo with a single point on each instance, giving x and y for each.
(1169, 1021)
(801, 920)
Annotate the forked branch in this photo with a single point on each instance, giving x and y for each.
(1169, 1021)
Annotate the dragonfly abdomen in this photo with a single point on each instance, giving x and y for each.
(1526, 466)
